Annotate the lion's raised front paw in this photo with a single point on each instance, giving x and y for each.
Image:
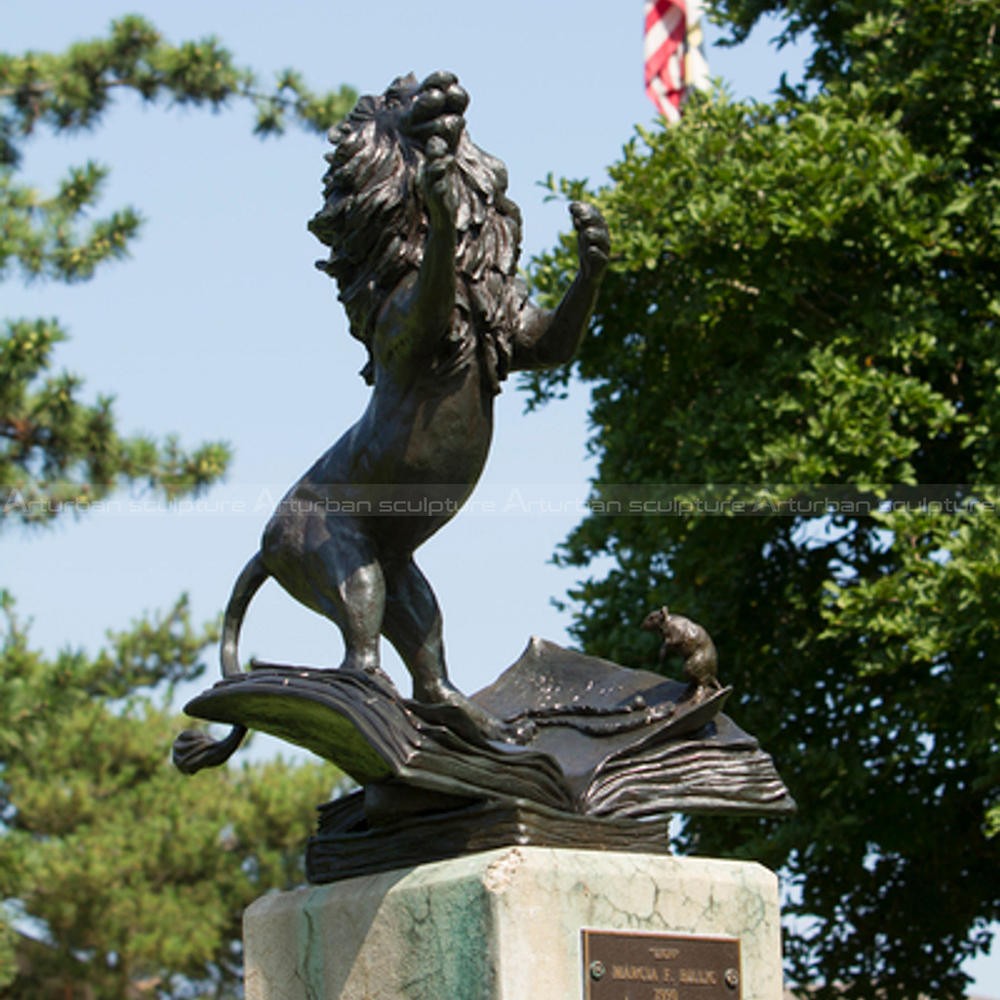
(434, 120)
(593, 240)
(436, 111)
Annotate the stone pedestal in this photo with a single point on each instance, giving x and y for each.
(502, 925)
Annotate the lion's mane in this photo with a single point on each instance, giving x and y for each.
(375, 222)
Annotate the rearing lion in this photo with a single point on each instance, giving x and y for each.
(423, 245)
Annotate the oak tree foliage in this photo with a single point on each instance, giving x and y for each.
(806, 292)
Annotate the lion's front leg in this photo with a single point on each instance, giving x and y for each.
(434, 124)
(547, 338)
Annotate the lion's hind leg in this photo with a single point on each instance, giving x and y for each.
(412, 623)
(331, 566)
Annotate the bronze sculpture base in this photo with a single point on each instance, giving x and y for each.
(347, 844)
(613, 754)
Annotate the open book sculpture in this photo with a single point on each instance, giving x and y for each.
(563, 749)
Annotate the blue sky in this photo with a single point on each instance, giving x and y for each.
(219, 326)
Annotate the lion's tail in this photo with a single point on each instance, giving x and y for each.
(247, 584)
(195, 749)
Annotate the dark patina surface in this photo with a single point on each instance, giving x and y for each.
(563, 749)
(613, 754)
(424, 244)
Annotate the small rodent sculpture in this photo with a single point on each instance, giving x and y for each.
(424, 244)
(689, 640)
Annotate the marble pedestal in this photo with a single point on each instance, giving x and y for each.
(502, 925)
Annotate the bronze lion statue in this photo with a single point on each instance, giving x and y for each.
(424, 244)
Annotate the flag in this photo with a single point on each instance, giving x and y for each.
(674, 51)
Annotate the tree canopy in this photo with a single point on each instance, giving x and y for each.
(118, 876)
(803, 306)
(55, 448)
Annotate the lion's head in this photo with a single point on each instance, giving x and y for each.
(375, 222)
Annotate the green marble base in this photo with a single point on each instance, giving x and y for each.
(503, 925)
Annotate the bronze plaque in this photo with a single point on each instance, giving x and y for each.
(635, 965)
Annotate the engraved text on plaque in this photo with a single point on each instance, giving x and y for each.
(635, 965)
